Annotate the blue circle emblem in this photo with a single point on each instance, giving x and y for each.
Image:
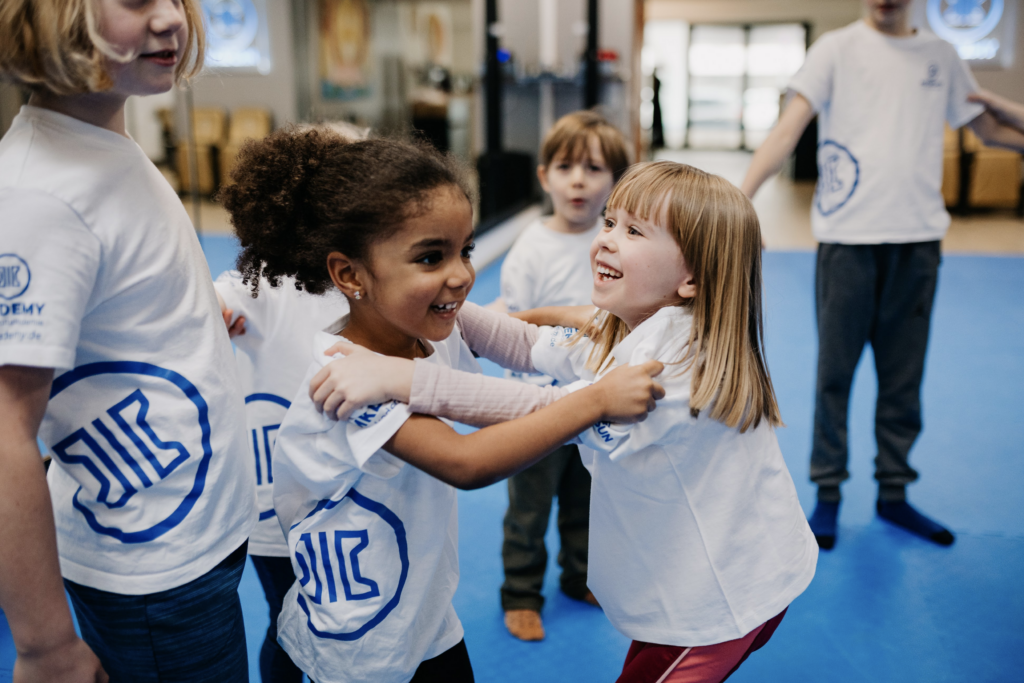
(963, 22)
(232, 24)
(122, 453)
(323, 561)
(15, 276)
(838, 177)
(265, 413)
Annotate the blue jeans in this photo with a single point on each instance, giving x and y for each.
(276, 577)
(193, 633)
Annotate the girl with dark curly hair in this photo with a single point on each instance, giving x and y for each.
(373, 540)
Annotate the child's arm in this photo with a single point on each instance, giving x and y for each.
(566, 316)
(230, 296)
(779, 144)
(995, 132)
(494, 453)
(1008, 112)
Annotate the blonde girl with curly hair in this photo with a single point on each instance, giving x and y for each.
(114, 354)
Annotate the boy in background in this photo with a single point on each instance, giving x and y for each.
(549, 265)
(882, 91)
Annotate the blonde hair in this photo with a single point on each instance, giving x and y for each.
(56, 45)
(719, 236)
(571, 135)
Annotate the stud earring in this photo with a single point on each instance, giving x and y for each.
(357, 296)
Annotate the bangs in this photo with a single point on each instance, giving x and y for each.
(645, 191)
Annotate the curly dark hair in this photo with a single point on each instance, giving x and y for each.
(300, 194)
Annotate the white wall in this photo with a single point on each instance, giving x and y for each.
(274, 91)
(823, 15)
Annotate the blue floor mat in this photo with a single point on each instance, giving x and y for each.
(884, 605)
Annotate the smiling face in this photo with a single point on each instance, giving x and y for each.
(412, 284)
(152, 34)
(638, 268)
(578, 189)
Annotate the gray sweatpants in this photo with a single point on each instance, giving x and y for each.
(523, 552)
(880, 294)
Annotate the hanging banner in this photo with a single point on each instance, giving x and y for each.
(981, 30)
(236, 35)
(344, 39)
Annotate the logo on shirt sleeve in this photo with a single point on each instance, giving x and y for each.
(838, 176)
(15, 276)
(355, 574)
(153, 433)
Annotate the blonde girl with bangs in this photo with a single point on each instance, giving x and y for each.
(114, 354)
(698, 544)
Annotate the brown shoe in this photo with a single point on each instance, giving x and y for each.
(524, 624)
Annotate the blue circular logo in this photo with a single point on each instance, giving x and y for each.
(264, 413)
(838, 176)
(231, 24)
(963, 22)
(14, 276)
(355, 574)
(135, 443)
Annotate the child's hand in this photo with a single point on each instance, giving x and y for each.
(359, 379)
(630, 392)
(234, 328)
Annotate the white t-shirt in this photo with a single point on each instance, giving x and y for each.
(696, 533)
(881, 104)
(547, 268)
(273, 356)
(373, 541)
(104, 279)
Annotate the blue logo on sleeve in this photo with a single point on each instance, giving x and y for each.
(122, 451)
(838, 176)
(265, 412)
(15, 276)
(330, 559)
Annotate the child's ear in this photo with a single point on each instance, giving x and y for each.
(542, 176)
(688, 288)
(344, 274)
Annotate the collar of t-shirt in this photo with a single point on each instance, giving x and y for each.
(85, 133)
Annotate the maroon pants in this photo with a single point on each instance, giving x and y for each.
(649, 663)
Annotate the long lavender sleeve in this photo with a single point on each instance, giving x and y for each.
(475, 399)
(498, 337)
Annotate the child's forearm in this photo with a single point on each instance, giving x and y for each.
(494, 453)
(498, 337)
(779, 144)
(475, 399)
(996, 133)
(554, 316)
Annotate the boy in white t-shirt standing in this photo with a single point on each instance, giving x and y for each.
(549, 265)
(882, 91)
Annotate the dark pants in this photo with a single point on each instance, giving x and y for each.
(192, 633)
(451, 666)
(882, 295)
(276, 577)
(529, 507)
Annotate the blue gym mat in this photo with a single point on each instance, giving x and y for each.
(884, 605)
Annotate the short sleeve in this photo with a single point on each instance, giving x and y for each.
(517, 280)
(814, 79)
(554, 356)
(49, 263)
(960, 112)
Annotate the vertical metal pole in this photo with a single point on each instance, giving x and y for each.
(591, 78)
(493, 81)
(193, 162)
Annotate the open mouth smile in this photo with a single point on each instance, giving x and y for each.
(445, 308)
(607, 273)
